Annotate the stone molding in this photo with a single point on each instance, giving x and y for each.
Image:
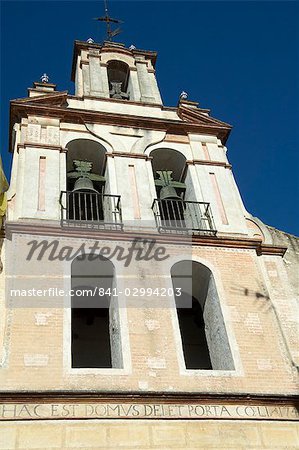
(73, 115)
(41, 146)
(209, 241)
(130, 155)
(208, 163)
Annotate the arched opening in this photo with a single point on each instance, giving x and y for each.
(85, 150)
(202, 329)
(170, 160)
(95, 330)
(87, 200)
(85, 165)
(192, 328)
(118, 78)
(168, 169)
(176, 208)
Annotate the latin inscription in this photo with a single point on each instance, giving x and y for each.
(20, 411)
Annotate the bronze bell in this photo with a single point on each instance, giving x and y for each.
(169, 193)
(84, 184)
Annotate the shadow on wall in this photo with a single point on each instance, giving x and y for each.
(261, 300)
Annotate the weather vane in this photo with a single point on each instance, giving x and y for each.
(110, 33)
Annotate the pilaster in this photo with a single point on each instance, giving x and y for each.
(144, 81)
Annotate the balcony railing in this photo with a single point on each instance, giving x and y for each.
(183, 217)
(91, 210)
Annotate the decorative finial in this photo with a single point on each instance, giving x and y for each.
(44, 78)
(132, 47)
(110, 33)
(183, 95)
(90, 41)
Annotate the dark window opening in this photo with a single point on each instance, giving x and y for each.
(95, 334)
(91, 338)
(202, 328)
(192, 328)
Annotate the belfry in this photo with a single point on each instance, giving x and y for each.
(190, 343)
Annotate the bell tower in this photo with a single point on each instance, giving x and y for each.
(142, 306)
(113, 71)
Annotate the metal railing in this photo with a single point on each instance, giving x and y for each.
(90, 209)
(183, 217)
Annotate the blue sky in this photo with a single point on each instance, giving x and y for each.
(240, 59)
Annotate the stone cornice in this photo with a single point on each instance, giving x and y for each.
(132, 102)
(228, 397)
(119, 100)
(129, 155)
(46, 229)
(73, 115)
(205, 162)
(41, 146)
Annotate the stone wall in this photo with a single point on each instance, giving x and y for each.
(291, 257)
(145, 434)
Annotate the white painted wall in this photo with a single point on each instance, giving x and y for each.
(28, 182)
(125, 140)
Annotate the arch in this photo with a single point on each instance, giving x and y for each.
(168, 159)
(202, 329)
(169, 170)
(94, 133)
(85, 167)
(95, 330)
(254, 229)
(88, 199)
(123, 55)
(118, 73)
(183, 149)
(86, 150)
